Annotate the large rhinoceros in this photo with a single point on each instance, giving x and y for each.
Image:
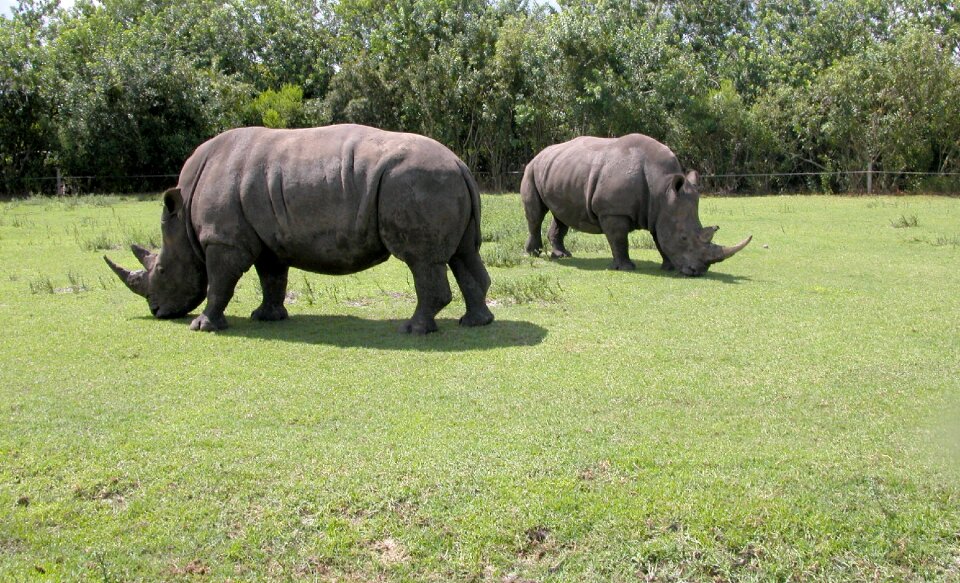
(332, 200)
(614, 186)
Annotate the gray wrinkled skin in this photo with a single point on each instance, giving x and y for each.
(614, 186)
(332, 200)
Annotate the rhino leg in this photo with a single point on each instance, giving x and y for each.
(555, 235)
(473, 280)
(667, 264)
(617, 230)
(273, 282)
(433, 294)
(535, 210)
(225, 266)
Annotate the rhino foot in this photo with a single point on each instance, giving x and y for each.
(623, 265)
(560, 253)
(270, 313)
(476, 319)
(418, 328)
(207, 324)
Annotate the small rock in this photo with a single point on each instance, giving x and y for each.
(765, 246)
(23, 501)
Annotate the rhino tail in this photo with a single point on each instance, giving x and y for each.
(474, 203)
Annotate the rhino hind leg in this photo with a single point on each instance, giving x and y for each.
(433, 294)
(474, 281)
(225, 266)
(556, 234)
(273, 282)
(617, 230)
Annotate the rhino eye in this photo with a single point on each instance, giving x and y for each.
(160, 269)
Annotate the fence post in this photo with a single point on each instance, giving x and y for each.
(870, 177)
(59, 183)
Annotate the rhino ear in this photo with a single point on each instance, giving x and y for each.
(172, 201)
(693, 177)
(706, 235)
(676, 182)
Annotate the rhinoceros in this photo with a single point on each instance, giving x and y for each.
(332, 200)
(614, 186)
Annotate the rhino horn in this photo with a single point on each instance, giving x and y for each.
(135, 280)
(144, 256)
(722, 253)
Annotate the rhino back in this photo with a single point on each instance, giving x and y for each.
(309, 195)
(589, 177)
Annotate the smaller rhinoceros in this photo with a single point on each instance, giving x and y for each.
(614, 186)
(332, 200)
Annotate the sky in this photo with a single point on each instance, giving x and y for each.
(6, 6)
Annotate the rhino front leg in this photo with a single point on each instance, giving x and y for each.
(225, 266)
(667, 264)
(556, 234)
(617, 230)
(273, 282)
(433, 294)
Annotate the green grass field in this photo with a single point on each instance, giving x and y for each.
(794, 414)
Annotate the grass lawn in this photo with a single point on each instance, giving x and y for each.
(794, 414)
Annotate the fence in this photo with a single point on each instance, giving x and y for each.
(844, 181)
(852, 181)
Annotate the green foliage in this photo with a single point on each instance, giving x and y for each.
(130, 88)
(279, 109)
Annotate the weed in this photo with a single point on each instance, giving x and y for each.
(943, 241)
(498, 255)
(100, 242)
(41, 285)
(586, 244)
(642, 240)
(77, 283)
(904, 222)
(536, 288)
(308, 293)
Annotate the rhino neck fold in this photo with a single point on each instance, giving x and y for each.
(188, 217)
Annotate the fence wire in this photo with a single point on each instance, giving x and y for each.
(830, 181)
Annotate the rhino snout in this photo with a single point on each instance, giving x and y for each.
(691, 271)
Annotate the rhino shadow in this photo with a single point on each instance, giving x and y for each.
(646, 268)
(354, 332)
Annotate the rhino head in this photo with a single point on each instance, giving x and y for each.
(683, 241)
(174, 281)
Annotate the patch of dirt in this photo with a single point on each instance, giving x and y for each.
(113, 491)
(11, 546)
(194, 567)
(537, 535)
(313, 566)
(390, 551)
(23, 501)
(598, 471)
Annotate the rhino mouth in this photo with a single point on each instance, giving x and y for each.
(166, 314)
(691, 271)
